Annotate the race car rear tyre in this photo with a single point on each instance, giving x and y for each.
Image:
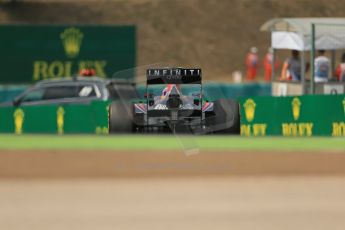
(227, 117)
(120, 117)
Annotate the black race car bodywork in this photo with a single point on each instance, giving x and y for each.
(173, 111)
(169, 109)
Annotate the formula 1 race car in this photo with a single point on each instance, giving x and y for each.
(174, 103)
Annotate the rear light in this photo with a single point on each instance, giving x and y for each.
(87, 72)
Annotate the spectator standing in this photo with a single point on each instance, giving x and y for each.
(292, 68)
(321, 67)
(252, 63)
(268, 64)
(340, 71)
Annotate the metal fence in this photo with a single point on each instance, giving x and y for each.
(331, 38)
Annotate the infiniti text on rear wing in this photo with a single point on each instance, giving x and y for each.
(173, 76)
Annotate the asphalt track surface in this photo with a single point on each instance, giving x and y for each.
(62, 164)
(256, 190)
(241, 203)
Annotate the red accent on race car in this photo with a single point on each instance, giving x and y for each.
(141, 107)
(168, 88)
(205, 106)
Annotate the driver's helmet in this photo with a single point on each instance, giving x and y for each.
(171, 89)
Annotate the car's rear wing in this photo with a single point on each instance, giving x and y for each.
(173, 76)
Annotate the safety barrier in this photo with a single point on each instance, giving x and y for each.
(319, 115)
(212, 91)
(9, 92)
(79, 118)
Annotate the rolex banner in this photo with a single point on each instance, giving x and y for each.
(55, 119)
(304, 116)
(33, 53)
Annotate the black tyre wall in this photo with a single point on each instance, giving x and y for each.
(227, 117)
(120, 117)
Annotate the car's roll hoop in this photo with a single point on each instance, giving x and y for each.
(173, 76)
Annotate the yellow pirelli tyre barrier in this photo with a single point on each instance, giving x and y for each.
(303, 116)
(55, 119)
